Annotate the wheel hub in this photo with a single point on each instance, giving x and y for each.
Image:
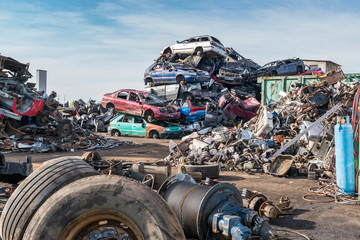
(102, 225)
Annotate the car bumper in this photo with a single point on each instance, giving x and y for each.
(190, 79)
(164, 116)
(174, 134)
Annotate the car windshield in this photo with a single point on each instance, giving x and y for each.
(217, 41)
(186, 40)
(182, 66)
(236, 65)
(160, 123)
(150, 99)
(270, 64)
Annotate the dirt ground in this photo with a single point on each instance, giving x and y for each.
(316, 220)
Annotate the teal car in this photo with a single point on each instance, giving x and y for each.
(137, 126)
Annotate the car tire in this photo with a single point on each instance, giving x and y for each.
(150, 81)
(180, 78)
(199, 49)
(110, 105)
(115, 133)
(188, 97)
(168, 50)
(98, 203)
(36, 189)
(206, 170)
(299, 69)
(64, 128)
(149, 116)
(154, 134)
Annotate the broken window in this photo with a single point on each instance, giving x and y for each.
(123, 95)
(127, 119)
(138, 120)
(134, 97)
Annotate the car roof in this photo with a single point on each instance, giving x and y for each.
(133, 90)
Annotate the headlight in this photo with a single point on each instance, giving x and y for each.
(206, 73)
(166, 129)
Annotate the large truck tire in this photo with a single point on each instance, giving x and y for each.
(207, 170)
(113, 206)
(36, 189)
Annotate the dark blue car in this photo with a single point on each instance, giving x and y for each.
(170, 73)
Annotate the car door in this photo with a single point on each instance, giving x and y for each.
(125, 125)
(156, 73)
(185, 46)
(138, 127)
(134, 104)
(120, 101)
(168, 74)
(290, 67)
(281, 68)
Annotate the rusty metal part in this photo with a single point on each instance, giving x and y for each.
(9, 190)
(268, 210)
(91, 156)
(102, 224)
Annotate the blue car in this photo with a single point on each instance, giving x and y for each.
(191, 112)
(170, 73)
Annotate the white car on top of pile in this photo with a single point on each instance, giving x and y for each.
(202, 44)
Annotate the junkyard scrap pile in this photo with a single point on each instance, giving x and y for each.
(29, 120)
(254, 146)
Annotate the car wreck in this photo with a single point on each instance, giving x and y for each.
(170, 73)
(137, 126)
(140, 103)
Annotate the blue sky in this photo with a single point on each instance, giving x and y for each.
(93, 47)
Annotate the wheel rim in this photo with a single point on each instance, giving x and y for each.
(116, 134)
(102, 224)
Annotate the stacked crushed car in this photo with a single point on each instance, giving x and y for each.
(32, 121)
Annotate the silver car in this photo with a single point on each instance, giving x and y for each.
(198, 45)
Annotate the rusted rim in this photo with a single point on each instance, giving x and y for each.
(102, 224)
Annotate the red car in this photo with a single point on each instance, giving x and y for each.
(140, 103)
(236, 109)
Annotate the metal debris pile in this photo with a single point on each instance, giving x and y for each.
(292, 136)
(33, 121)
(90, 115)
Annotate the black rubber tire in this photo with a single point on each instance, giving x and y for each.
(115, 133)
(199, 49)
(64, 128)
(146, 209)
(299, 69)
(180, 78)
(150, 82)
(110, 105)
(155, 135)
(35, 189)
(207, 170)
(188, 97)
(149, 116)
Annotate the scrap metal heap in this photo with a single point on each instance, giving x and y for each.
(29, 120)
(299, 128)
